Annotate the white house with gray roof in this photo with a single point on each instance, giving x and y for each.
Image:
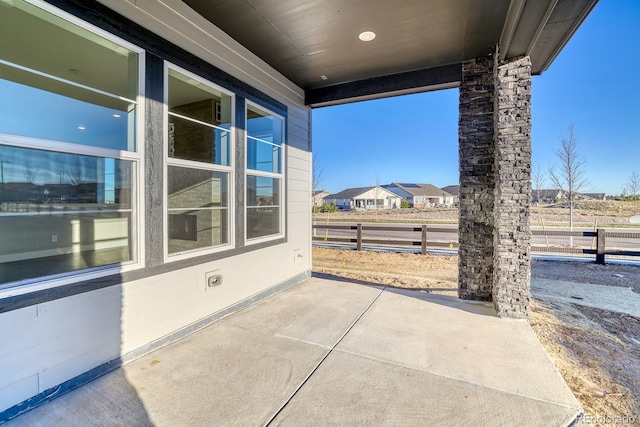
(421, 195)
(365, 198)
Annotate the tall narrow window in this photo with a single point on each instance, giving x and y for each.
(68, 153)
(199, 164)
(264, 174)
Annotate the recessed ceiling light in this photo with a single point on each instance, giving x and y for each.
(81, 127)
(117, 116)
(367, 36)
(323, 77)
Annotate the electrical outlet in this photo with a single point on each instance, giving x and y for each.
(297, 255)
(54, 238)
(212, 279)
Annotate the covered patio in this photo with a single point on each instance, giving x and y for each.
(208, 225)
(334, 353)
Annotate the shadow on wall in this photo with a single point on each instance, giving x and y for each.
(63, 354)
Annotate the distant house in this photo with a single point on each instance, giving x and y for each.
(555, 196)
(421, 195)
(319, 197)
(454, 190)
(365, 198)
(547, 196)
(593, 196)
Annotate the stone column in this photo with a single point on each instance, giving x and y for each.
(495, 185)
(512, 238)
(477, 179)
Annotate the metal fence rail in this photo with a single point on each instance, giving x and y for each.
(600, 242)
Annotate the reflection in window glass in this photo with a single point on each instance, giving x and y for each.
(62, 212)
(264, 126)
(198, 209)
(36, 113)
(262, 156)
(264, 140)
(199, 121)
(264, 182)
(263, 206)
(87, 95)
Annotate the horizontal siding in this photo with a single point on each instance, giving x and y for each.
(299, 196)
(300, 115)
(298, 174)
(17, 328)
(19, 391)
(299, 162)
(300, 134)
(298, 185)
(299, 206)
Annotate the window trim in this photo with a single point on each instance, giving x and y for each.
(169, 161)
(21, 287)
(252, 172)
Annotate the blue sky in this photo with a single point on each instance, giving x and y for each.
(593, 84)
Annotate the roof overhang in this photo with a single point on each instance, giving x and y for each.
(419, 44)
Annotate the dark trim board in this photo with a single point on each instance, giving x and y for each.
(112, 365)
(447, 76)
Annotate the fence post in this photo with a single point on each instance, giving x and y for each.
(424, 239)
(359, 237)
(600, 247)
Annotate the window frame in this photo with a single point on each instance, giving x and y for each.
(192, 164)
(137, 157)
(253, 172)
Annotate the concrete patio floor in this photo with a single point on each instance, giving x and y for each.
(333, 353)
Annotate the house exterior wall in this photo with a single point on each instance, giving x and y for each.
(403, 194)
(97, 322)
(385, 199)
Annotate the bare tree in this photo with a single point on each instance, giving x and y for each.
(317, 173)
(632, 188)
(75, 172)
(538, 181)
(30, 173)
(569, 176)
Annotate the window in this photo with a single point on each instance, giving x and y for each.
(264, 178)
(68, 152)
(199, 164)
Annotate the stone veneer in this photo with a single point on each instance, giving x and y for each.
(512, 238)
(477, 179)
(495, 184)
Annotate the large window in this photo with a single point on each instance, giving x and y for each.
(199, 164)
(68, 155)
(264, 179)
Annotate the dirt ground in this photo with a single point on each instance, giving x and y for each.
(596, 351)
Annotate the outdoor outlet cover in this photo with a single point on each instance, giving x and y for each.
(213, 280)
(297, 256)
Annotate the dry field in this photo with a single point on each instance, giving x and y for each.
(596, 351)
(586, 214)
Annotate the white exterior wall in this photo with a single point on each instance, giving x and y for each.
(46, 344)
(388, 198)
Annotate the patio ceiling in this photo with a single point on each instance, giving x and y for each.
(419, 45)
